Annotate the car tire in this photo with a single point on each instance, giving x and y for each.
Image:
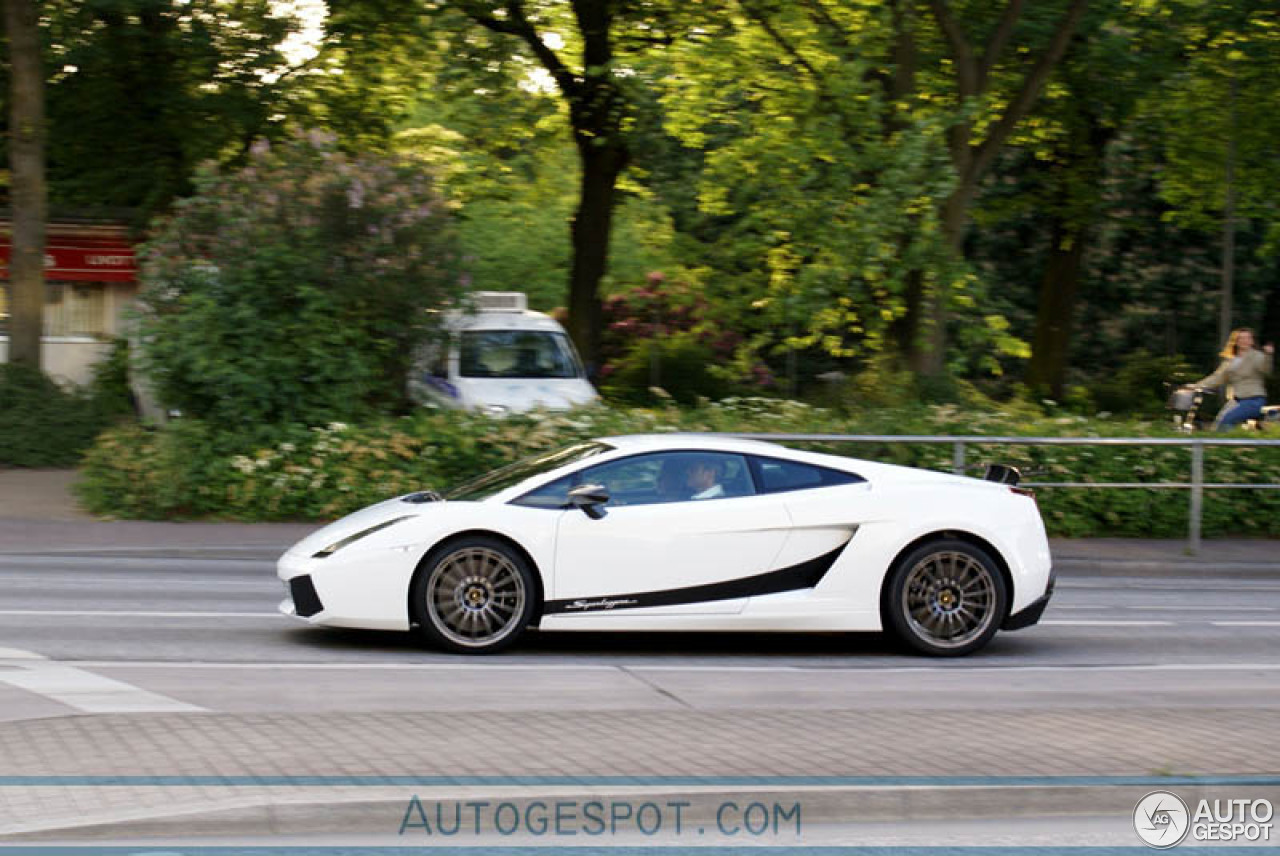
(473, 595)
(946, 598)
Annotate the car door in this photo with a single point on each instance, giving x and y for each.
(659, 550)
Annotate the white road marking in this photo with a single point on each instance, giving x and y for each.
(85, 582)
(260, 666)
(1100, 623)
(91, 613)
(1245, 623)
(82, 690)
(1209, 608)
(1064, 607)
(18, 654)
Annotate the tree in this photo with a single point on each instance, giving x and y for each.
(876, 94)
(142, 91)
(972, 151)
(26, 159)
(1064, 152)
(598, 115)
(1221, 118)
(295, 289)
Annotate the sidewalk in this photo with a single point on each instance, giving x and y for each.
(39, 514)
(211, 775)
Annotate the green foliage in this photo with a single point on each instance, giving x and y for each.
(665, 335)
(296, 288)
(1138, 386)
(191, 468)
(109, 387)
(684, 369)
(44, 425)
(141, 91)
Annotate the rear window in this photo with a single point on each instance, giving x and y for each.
(773, 475)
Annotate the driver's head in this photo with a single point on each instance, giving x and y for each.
(702, 473)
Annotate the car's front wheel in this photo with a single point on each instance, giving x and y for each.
(946, 598)
(473, 595)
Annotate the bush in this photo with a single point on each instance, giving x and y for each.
(190, 468)
(109, 387)
(684, 372)
(1138, 386)
(673, 325)
(295, 289)
(42, 424)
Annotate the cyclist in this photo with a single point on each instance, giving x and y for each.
(1243, 371)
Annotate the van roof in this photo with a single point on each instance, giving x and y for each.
(526, 320)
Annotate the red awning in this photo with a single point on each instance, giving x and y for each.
(92, 259)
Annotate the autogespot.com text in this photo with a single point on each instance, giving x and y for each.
(599, 818)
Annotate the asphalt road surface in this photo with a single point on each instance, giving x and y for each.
(203, 634)
(178, 667)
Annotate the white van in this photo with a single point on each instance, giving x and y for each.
(504, 358)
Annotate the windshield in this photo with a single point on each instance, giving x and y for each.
(518, 354)
(500, 479)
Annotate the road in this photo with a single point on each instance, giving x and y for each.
(151, 665)
(205, 631)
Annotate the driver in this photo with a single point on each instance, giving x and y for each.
(703, 478)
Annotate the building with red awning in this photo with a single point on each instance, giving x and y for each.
(91, 278)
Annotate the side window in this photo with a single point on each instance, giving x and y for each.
(776, 476)
(655, 478)
(553, 494)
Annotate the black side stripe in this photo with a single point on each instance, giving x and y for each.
(805, 575)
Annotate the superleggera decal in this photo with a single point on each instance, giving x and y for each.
(802, 576)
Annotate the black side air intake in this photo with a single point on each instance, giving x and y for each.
(305, 600)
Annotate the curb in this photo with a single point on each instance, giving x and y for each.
(295, 814)
(1170, 569)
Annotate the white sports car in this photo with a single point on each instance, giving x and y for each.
(685, 532)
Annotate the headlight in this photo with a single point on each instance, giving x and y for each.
(351, 539)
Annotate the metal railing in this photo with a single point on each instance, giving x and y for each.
(1197, 485)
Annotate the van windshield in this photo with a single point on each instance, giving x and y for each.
(518, 354)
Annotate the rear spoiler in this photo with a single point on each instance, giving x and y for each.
(1002, 474)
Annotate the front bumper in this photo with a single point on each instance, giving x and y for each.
(1030, 614)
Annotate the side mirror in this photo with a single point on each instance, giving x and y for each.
(1002, 474)
(590, 498)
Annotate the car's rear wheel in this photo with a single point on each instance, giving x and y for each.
(946, 598)
(473, 595)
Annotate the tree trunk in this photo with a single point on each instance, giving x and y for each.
(1269, 333)
(590, 229)
(931, 360)
(26, 165)
(1055, 310)
(1225, 312)
(899, 86)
